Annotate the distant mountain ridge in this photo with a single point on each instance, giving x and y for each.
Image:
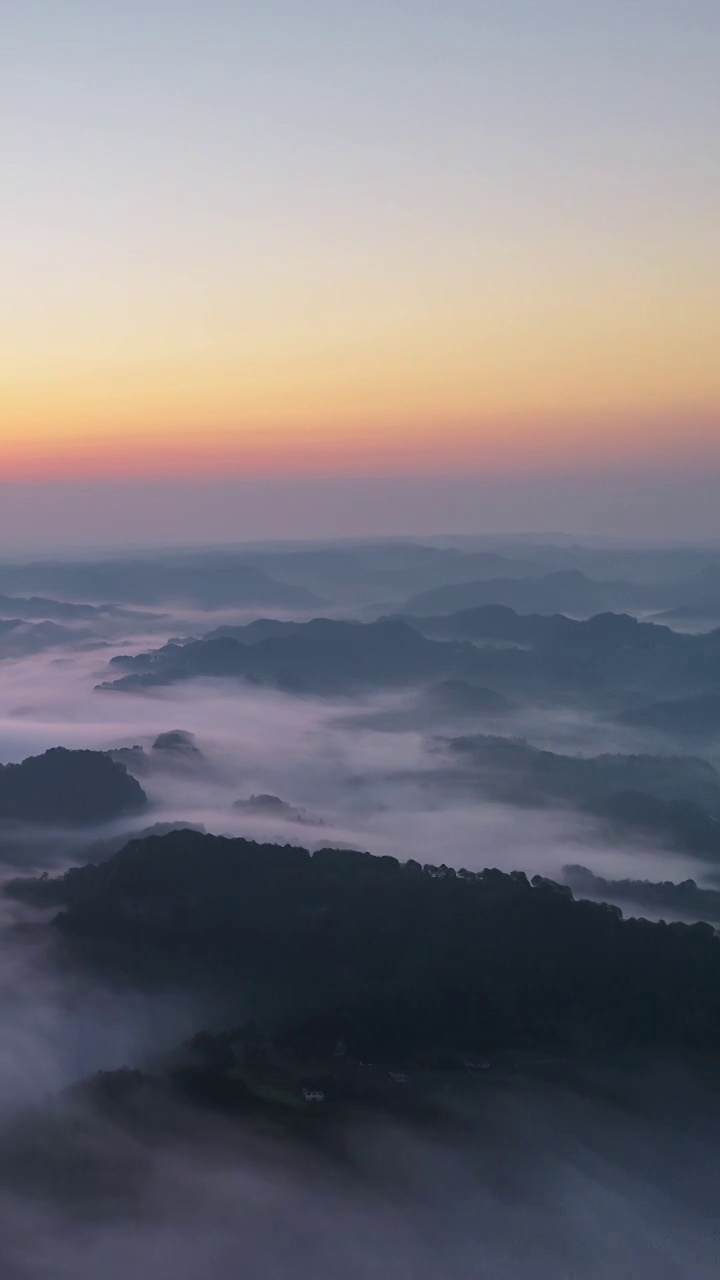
(500, 622)
(37, 607)
(610, 656)
(319, 656)
(366, 572)
(19, 639)
(208, 582)
(566, 591)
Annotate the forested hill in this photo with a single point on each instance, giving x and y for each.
(321, 656)
(399, 956)
(68, 787)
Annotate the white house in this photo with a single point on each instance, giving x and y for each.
(313, 1095)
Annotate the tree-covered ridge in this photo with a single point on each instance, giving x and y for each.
(322, 656)
(399, 956)
(611, 660)
(68, 787)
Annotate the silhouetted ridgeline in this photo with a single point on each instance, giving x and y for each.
(320, 656)
(610, 660)
(497, 622)
(68, 787)
(399, 956)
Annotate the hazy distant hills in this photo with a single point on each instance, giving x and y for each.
(364, 573)
(204, 581)
(36, 607)
(670, 800)
(19, 639)
(29, 626)
(513, 770)
(68, 788)
(568, 591)
(431, 578)
(693, 717)
(396, 570)
(575, 592)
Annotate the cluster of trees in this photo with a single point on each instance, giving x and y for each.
(270, 806)
(401, 957)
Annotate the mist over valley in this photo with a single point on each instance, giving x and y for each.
(355, 918)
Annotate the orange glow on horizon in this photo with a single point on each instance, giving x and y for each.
(501, 372)
(482, 364)
(499, 444)
(222, 257)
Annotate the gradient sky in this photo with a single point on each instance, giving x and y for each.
(319, 238)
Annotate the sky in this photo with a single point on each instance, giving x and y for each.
(300, 248)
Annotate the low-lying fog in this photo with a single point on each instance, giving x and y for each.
(558, 1189)
(352, 783)
(554, 1190)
